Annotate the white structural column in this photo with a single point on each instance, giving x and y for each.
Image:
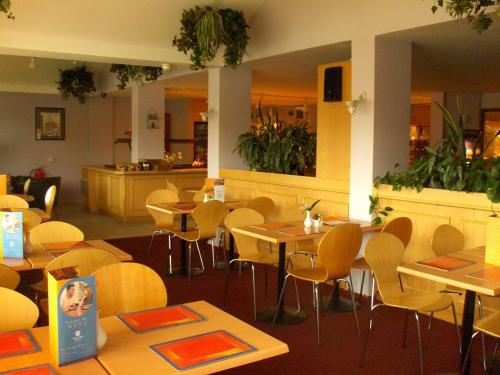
(148, 101)
(381, 67)
(229, 106)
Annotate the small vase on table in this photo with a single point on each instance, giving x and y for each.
(308, 221)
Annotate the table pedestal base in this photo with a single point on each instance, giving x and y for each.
(340, 305)
(290, 315)
(235, 266)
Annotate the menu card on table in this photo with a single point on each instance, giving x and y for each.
(148, 320)
(446, 263)
(11, 235)
(202, 349)
(489, 274)
(17, 342)
(44, 369)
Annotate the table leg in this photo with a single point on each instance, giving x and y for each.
(335, 303)
(286, 315)
(467, 327)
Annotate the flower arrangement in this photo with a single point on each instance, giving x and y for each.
(170, 158)
(311, 206)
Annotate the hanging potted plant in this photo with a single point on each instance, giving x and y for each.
(140, 74)
(205, 29)
(5, 8)
(77, 82)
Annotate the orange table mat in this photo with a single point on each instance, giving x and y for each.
(184, 205)
(17, 342)
(202, 349)
(69, 245)
(163, 317)
(446, 263)
(44, 369)
(489, 274)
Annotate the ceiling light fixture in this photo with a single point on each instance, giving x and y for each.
(32, 64)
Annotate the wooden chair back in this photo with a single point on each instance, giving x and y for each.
(127, 287)
(199, 195)
(18, 311)
(384, 253)
(240, 217)
(9, 278)
(55, 231)
(263, 205)
(12, 201)
(50, 197)
(172, 187)
(161, 219)
(401, 227)
(89, 260)
(26, 186)
(30, 220)
(338, 249)
(208, 215)
(447, 239)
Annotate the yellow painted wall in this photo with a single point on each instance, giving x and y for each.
(334, 128)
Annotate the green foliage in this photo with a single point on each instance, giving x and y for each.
(205, 29)
(137, 73)
(5, 8)
(375, 209)
(446, 166)
(77, 82)
(278, 147)
(310, 207)
(473, 10)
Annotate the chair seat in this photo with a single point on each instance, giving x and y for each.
(190, 235)
(489, 325)
(45, 217)
(415, 301)
(262, 258)
(360, 264)
(316, 274)
(454, 289)
(40, 286)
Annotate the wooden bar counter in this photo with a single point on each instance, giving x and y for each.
(122, 194)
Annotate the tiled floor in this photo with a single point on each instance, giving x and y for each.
(100, 226)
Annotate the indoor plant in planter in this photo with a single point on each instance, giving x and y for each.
(205, 29)
(77, 82)
(308, 222)
(140, 74)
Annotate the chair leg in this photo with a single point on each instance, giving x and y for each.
(254, 297)
(428, 331)
(297, 294)
(213, 254)
(151, 242)
(456, 327)
(405, 329)
(228, 274)
(361, 287)
(467, 356)
(282, 292)
(312, 284)
(316, 297)
(372, 298)
(365, 340)
(349, 285)
(420, 353)
(494, 355)
(483, 344)
(199, 254)
(265, 280)
(170, 268)
(189, 263)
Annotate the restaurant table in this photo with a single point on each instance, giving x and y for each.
(288, 315)
(127, 352)
(460, 278)
(184, 209)
(39, 259)
(28, 198)
(41, 335)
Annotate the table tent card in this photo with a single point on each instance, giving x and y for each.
(219, 190)
(72, 316)
(11, 239)
(493, 241)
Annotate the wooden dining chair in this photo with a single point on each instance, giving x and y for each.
(207, 216)
(50, 197)
(401, 227)
(127, 287)
(54, 231)
(12, 201)
(9, 278)
(30, 219)
(248, 248)
(18, 311)
(336, 251)
(384, 253)
(26, 186)
(263, 205)
(164, 222)
(172, 187)
(199, 195)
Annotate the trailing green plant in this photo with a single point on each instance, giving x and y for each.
(473, 10)
(377, 210)
(77, 82)
(277, 147)
(205, 29)
(140, 74)
(5, 8)
(447, 167)
(309, 207)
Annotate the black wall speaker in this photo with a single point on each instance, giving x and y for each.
(333, 84)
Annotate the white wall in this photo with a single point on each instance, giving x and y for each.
(20, 152)
(471, 108)
(122, 122)
(490, 100)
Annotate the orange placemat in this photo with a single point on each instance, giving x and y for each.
(17, 342)
(44, 369)
(202, 349)
(185, 205)
(143, 321)
(446, 263)
(272, 226)
(301, 231)
(489, 274)
(69, 245)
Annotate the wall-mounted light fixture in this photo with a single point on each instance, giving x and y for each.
(152, 121)
(352, 105)
(204, 115)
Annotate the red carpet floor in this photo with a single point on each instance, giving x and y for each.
(341, 347)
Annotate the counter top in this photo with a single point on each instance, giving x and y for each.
(101, 168)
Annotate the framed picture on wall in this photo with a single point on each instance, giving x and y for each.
(50, 124)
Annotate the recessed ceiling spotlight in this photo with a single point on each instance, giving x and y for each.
(165, 67)
(32, 64)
